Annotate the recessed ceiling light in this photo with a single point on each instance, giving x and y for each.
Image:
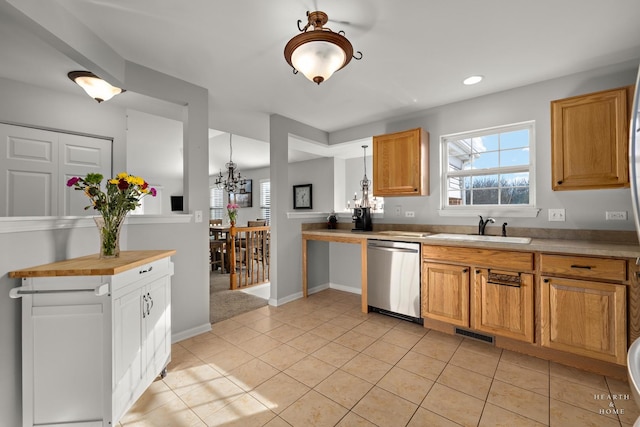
(472, 80)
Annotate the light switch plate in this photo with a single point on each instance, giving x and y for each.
(198, 216)
(556, 215)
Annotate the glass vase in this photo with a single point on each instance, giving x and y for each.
(109, 237)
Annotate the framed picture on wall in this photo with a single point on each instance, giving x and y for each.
(302, 196)
(243, 198)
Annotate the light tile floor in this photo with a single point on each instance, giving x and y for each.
(321, 362)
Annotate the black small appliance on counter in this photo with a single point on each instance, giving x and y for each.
(362, 219)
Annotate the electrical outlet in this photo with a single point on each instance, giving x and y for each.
(616, 216)
(556, 215)
(398, 211)
(410, 214)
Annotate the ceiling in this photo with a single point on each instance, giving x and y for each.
(415, 53)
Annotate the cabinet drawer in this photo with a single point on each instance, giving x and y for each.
(499, 259)
(142, 273)
(584, 267)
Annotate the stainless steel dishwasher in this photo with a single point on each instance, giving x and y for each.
(393, 278)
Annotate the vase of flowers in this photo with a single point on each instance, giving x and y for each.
(123, 194)
(232, 213)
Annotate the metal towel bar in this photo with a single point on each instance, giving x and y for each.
(99, 291)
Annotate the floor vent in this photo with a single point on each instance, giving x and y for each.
(474, 335)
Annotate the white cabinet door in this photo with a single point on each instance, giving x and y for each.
(158, 326)
(128, 338)
(67, 339)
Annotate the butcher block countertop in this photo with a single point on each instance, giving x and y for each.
(91, 265)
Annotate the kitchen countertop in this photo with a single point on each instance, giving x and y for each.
(91, 265)
(560, 246)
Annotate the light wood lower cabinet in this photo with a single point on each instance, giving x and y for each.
(502, 303)
(584, 317)
(459, 289)
(445, 293)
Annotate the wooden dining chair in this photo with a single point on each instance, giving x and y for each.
(217, 246)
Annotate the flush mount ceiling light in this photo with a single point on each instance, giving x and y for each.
(472, 80)
(318, 53)
(95, 87)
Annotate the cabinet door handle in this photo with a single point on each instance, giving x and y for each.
(477, 271)
(151, 303)
(144, 306)
(546, 280)
(146, 271)
(586, 267)
(465, 270)
(559, 182)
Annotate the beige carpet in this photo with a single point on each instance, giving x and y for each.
(224, 303)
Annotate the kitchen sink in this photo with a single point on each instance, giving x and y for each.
(405, 233)
(479, 238)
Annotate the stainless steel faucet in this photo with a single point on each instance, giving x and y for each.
(483, 224)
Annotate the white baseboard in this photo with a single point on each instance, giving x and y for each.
(318, 288)
(315, 289)
(345, 288)
(180, 336)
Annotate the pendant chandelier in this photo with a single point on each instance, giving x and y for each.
(365, 183)
(318, 53)
(233, 182)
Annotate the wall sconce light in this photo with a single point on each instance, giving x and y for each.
(95, 87)
(320, 52)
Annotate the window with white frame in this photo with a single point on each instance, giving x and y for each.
(216, 203)
(489, 167)
(265, 200)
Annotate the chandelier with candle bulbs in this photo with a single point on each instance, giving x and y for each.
(233, 182)
(365, 183)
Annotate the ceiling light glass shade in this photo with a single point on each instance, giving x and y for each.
(95, 87)
(318, 60)
(319, 52)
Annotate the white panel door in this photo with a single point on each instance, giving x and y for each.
(35, 165)
(28, 164)
(80, 155)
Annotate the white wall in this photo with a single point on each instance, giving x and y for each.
(155, 152)
(585, 209)
(25, 104)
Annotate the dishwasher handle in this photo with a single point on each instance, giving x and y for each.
(391, 249)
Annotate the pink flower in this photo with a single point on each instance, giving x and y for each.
(72, 181)
(153, 192)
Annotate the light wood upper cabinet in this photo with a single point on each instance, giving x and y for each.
(445, 293)
(589, 138)
(584, 317)
(401, 164)
(502, 303)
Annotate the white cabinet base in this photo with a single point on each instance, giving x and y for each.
(87, 358)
